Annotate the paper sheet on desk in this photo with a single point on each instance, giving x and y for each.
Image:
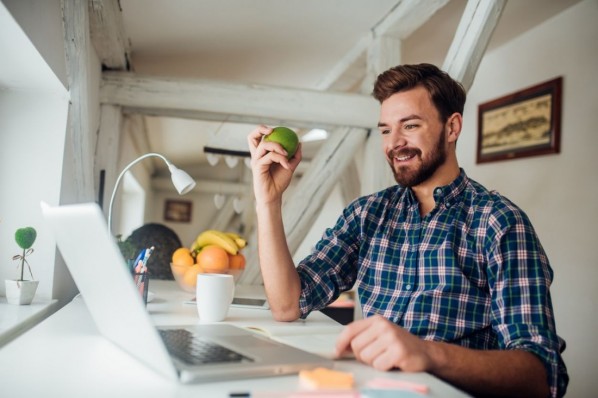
(322, 343)
(311, 340)
(317, 334)
(319, 344)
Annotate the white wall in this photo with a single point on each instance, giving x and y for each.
(37, 161)
(33, 114)
(41, 20)
(558, 192)
(30, 171)
(203, 211)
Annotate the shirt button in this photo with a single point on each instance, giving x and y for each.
(408, 287)
(438, 191)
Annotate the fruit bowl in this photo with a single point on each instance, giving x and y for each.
(179, 272)
(186, 276)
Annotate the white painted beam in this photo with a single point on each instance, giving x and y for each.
(107, 151)
(407, 17)
(479, 19)
(222, 217)
(107, 34)
(350, 183)
(79, 135)
(246, 101)
(384, 52)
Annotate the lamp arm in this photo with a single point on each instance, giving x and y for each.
(120, 176)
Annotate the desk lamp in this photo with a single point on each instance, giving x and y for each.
(180, 179)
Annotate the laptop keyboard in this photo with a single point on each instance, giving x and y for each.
(195, 350)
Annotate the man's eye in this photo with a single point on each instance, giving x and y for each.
(410, 126)
(383, 132)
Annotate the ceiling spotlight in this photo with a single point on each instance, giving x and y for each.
(315, 135)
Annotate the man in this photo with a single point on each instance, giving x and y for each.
(452, 278)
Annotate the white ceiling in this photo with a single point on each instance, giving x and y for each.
(284, 43)
(294, 43)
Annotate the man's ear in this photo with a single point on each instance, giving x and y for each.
(453, 126)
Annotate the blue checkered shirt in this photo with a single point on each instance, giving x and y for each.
(471, 272)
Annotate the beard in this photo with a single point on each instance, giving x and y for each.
(411, 176)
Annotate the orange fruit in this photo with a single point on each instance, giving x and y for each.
(182, 256)
(178, 271)
(213, 258)
(190, 277)
(236, 261)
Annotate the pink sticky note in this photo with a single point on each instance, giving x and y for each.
(398, 384)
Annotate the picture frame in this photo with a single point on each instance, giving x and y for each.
(177, 210)
(521, 124)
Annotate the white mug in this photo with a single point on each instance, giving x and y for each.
(214, 295)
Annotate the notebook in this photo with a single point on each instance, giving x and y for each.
(116, 306)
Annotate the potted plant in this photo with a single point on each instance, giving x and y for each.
(21, 291)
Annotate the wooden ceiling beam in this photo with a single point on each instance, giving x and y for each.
(475, 29)
(248, 102)
(107, 34)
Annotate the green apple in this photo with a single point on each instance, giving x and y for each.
(286, 137)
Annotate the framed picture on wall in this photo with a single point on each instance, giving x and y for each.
(177, 210)
(521, 124)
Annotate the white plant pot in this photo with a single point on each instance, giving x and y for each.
(20, 292)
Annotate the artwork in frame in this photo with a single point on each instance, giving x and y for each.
(177, 210)
(521, 124)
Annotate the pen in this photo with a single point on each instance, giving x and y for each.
(137, 261)
(146, 256)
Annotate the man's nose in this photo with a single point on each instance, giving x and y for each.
(396, 139)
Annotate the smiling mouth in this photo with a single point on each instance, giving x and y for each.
(404, 158)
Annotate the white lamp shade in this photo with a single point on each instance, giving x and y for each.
(212, 159)
(181, 180)
(231, 161)
(219, 200)
(239, 205)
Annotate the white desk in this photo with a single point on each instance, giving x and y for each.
(64, 356)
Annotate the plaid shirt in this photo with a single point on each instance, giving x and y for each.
(471, 272)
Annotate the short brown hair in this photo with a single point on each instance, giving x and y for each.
(447, 94)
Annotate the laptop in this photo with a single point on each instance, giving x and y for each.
(187, 353)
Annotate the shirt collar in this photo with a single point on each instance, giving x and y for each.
(444, 194)
(448, 193)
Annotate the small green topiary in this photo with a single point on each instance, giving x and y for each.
(25, 237)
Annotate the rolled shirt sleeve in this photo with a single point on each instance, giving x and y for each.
(519, 278)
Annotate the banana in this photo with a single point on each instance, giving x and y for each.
(195, 248)
(241, 243)
(213, 237)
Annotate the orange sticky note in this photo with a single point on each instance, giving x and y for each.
(326, 378)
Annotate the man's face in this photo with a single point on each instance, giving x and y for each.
(413, 137)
